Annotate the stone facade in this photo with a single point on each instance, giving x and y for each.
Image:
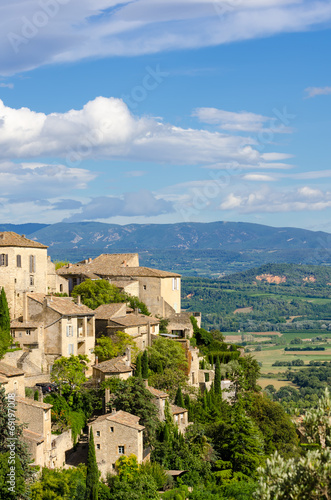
(116, 434)
(69, 328)
(25, 267)
(36, 418)
(12, 379)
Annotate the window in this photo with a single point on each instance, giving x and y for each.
(175, 283)
(98, 446)
(18, 261)
(112, 429)
(98, 433)
(20, 334)
(113, 466)
(32, 261)
(121, 450)
(31, 280)
(61, 288)
(69, 331)
(4, 259)
(70, 349)
(144, 287)
(28, 332)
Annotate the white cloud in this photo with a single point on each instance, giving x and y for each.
(259, 177)
(7, 85)
(228, 120)
(54, 31)
(314, 91)
(35, 181)
(105, 128)
(267, 200)
(276, 156)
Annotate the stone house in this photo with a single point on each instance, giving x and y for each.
(111, 318)
(69, 328)
(119, 367)
(36, 419)
(25, 267)
(160, 290)
(180, 415)
(116, 434)
(12, 379)
(101, 268)
(179, 324)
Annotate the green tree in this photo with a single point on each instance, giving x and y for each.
(92, 473)
(217, 380)
(60, 484)
(5, 337)
(98, 292)
(179, 400)
(12, 433)
(110, 347)
(144, 365)
(70, 372)
(138, 367)
(132, 396)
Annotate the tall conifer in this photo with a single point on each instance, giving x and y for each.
(5, 337)
(92, 473)
(138, 366)
(144, 365)
(217, 380)
(179, 400)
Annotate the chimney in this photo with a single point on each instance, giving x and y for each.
(136, 311)
(113, 410)
(79, 300)
(23, 235)
(90, 260)
(145, 381)
(96, 360)
(128, 356)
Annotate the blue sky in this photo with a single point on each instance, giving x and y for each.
(166, 111)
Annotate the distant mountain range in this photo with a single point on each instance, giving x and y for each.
(174, 244)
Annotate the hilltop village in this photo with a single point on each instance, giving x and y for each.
(48, 324)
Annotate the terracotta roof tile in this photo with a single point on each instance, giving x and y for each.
(121, 417)
(106, 311)
(175, 410)
(32, 325)
(115, 272)
(135, 320)
(32, 402)
(33, 436)
(62, 305)
(10, 239)
(9, 371)
(115, 365)
(157, 393)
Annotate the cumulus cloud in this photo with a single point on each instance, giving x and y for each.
(268, 200)
(259, 177)
(105, 128)
(138, 203)
(55, 31)
(314, 91)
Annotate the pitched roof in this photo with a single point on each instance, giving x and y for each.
(32, 402)
(115, 365)
(115, 272)
(121, 417)
(33, 436)
(11, 239)
(9, 371)
(135, 320)
(175, 410)
(31, 325)
(139, 272)
(115, 260)
(106, 311)
(125, 418)
(157, 393)
(63, 305)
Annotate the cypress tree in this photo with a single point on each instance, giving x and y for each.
(92, 473)
(144, 365)
(187, 401)
(138, 366)
(217, 380)
(179, 400)
(5, 337)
